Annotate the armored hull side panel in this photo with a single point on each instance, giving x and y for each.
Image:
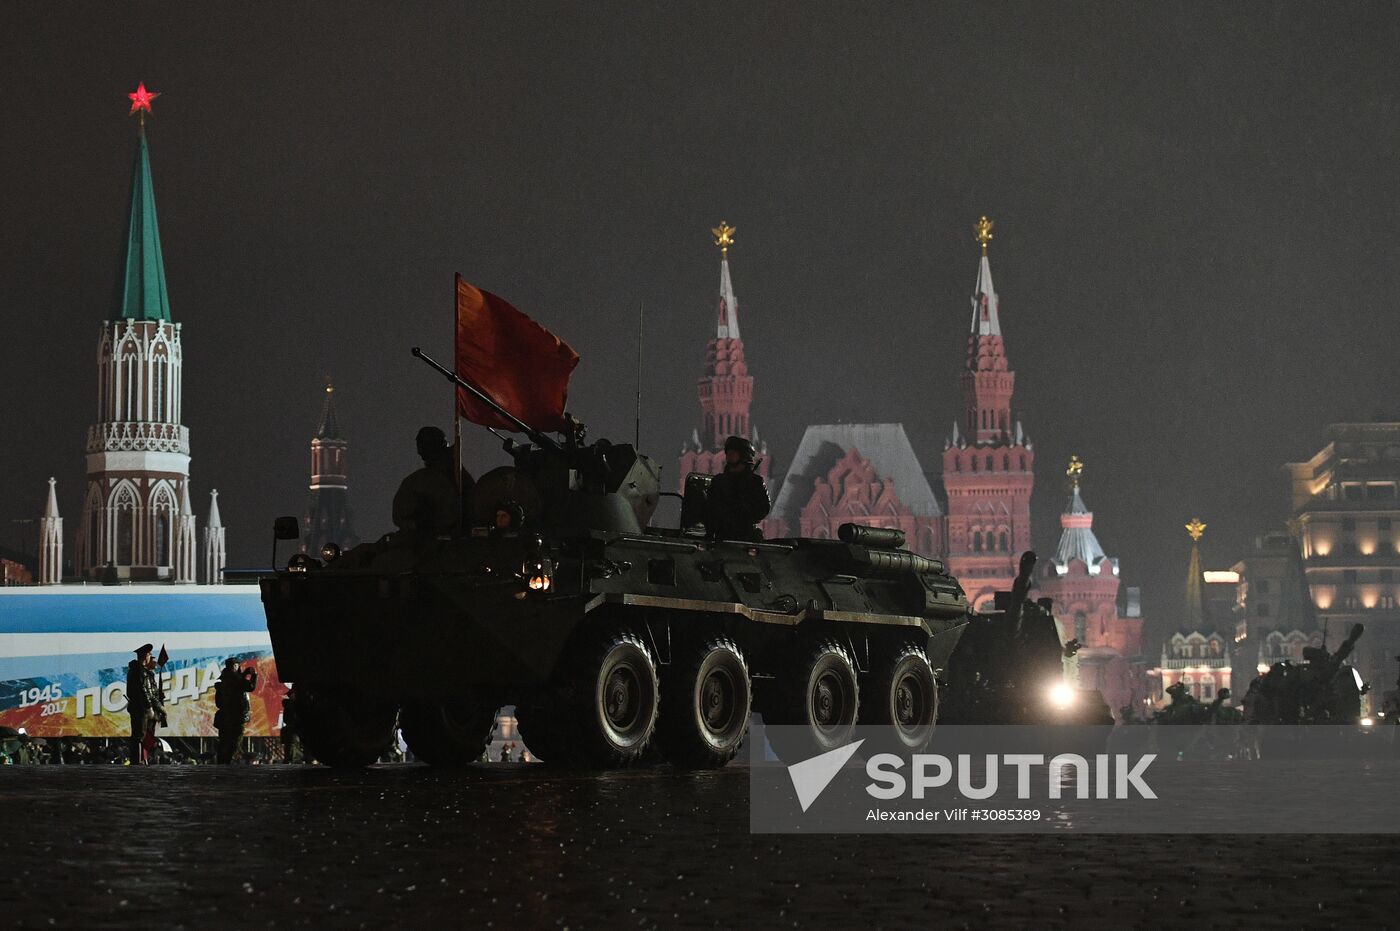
(585, 631)
(422, 637)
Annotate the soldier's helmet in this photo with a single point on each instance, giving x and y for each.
(515, 511)
(743, 446)
(431, 443)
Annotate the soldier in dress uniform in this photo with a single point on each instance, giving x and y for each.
(738, 499)
(145, 702)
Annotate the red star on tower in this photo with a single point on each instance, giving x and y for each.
(141, 100)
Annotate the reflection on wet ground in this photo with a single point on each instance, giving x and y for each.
(514, 845)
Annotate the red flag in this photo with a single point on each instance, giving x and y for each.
(518, 363)
(164, 656)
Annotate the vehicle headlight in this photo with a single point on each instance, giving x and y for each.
(300, 562)
(1061, 695)
(1367, 722)
(538, 575)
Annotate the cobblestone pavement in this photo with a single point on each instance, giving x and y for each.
(514, 845)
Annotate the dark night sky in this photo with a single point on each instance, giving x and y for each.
(1195, 203)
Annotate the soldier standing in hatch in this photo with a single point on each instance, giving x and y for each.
(145, 702)
(233, 707)
(427, 503)
(738, 499)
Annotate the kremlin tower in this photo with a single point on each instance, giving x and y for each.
(328, 517)
(726, 388)
(51, 541)
(988, 463)
(1083, 582)
(137, 524)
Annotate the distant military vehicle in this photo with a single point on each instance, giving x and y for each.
(1323, 689)
(620, 642)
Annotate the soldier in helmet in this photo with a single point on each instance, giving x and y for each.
(232, 706)
(508, 521)
(427, 503)
(738, 499)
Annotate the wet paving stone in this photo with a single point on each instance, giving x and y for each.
(521, 846)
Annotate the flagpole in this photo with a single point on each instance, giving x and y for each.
(456, 417)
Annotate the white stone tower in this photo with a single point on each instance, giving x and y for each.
(51, 541)
(214, 543)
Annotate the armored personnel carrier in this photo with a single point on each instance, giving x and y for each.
(621, 642)
(1323, 689)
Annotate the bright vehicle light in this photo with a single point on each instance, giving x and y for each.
(1367, 722)
(1061, 695)
(538, 575)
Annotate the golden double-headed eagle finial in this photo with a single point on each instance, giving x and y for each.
(982, 229)
(1196, 529)
(724, 238)
(1076, 468)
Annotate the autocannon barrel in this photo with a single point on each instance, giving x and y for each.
(878, 537)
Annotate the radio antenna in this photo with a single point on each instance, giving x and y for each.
(637, 434)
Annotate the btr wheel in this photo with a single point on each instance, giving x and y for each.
(706, 699)
(447, 736)
(902, 698)
(605, 708)
(817, 703)
(342, 727)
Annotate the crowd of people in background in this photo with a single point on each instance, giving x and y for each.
(79, 751)
(18, 749)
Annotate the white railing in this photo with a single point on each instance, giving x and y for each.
(138, 436)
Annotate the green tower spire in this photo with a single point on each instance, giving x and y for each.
(142, 295)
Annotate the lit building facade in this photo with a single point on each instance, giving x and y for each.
(1346, 502)
(1274, 614)
(1198, 659)
(857, 473)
